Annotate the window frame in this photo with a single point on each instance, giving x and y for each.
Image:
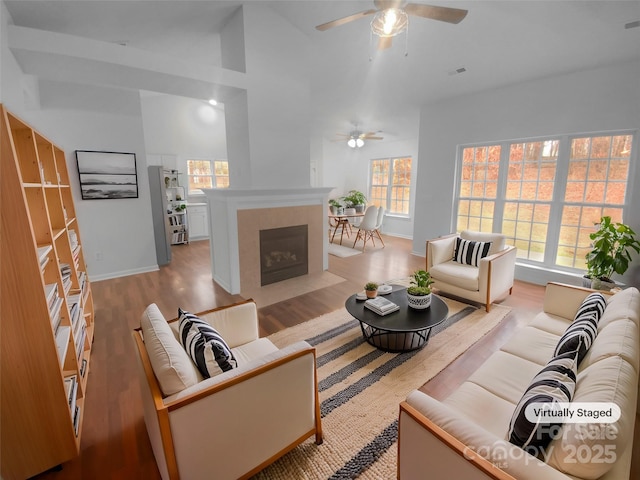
(213, 175)
(558, 201)
(389, 186)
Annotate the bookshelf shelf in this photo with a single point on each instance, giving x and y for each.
(47, 309)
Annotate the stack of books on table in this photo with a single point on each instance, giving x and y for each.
(381, 305)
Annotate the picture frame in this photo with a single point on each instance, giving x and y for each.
(107, 175)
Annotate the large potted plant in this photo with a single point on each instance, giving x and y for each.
(611, 252)
(419, 291)
(356, 200)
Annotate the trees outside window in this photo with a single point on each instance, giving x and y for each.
(207, 174)
(545, 195)
(390, 184)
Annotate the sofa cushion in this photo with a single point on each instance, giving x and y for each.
(171, 365)
(588, 450)
(470, 252)
(556, 382)
(205, 345)
(583, 330)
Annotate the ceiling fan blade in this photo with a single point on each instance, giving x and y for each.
(443, 14)
(373, 138)
(343, 20)
(384, 42)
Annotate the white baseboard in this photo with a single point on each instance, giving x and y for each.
(122, 273)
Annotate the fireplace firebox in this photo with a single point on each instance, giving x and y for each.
(284, 253)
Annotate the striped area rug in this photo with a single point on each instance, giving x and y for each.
(361, 388)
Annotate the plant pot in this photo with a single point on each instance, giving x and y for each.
(419, 302)
(586, 281)
(359, 208)
(371, 293)
(598, 284)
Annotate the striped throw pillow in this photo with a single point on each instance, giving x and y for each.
(556, 382)
(205, 345)
(583, 330)
(470, 252)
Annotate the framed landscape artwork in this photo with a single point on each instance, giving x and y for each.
(107, 175)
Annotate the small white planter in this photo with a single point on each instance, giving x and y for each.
(419, 302)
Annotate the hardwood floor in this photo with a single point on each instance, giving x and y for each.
(114, 438)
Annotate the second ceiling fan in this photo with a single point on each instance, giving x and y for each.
(391, 17)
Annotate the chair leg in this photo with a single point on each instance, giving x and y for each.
(377, 232)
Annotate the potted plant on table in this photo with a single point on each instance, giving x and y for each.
(371, 289)
(335, 206)
(611, 252)
(356, 199)
(419, 291)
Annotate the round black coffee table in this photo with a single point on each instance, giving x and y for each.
(405, 329)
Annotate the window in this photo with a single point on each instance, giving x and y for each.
(207, 174)
(391, 184)
(544, 195)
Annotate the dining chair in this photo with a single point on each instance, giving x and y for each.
(381, 212)
(367, 227)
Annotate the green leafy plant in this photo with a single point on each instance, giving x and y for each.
(420, 283)
(180, 207)
(371, 287)
(334, 203)
(611, 249)
(354, 197)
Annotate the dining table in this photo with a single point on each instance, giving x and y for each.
(342, 222)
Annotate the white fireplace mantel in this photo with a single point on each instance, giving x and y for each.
(225, 243)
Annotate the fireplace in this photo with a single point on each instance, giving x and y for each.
(284, 253)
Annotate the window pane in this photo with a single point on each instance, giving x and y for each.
(391, 184)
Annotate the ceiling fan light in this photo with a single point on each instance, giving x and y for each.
(389, 22)
(359, 142)
(352, 142)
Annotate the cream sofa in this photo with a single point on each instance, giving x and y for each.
(455, 437)
(233, 424)
(491, 280)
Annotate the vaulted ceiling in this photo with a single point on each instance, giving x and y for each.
(498, 43)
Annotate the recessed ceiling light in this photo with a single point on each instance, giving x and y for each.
(212, 102)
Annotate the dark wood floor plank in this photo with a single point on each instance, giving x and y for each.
(114, 439)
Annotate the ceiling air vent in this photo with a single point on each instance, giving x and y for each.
(457, 71)
(632, 24)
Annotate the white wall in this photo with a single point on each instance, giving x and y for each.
(601, 99)
(185, 128)
(119, 230)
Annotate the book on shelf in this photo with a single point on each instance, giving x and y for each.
(51, 292)
(43, 253)
(83, 367)
(55, 313)
(76, 419)
(381, 305)
(71, 389)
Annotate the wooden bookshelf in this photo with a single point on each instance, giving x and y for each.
(47, 306)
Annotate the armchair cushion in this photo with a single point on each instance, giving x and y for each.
(470, 252)
(459, 274)
(171, 365)
(498, 240)
(205, 345)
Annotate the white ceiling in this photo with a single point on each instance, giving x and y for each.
(499, 43)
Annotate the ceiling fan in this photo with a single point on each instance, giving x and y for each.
(356, 138)
(391, 17)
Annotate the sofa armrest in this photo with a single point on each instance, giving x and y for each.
(247, 417)
(440, 250)
(497, 272)
(564, 300)
(425, 419)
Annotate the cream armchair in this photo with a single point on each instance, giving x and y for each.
(234, 424)
(489, 281)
